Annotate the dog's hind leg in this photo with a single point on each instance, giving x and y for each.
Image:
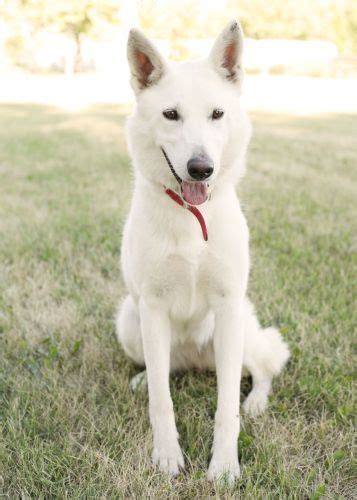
(265, 354)
(129, 332)
(129, 335)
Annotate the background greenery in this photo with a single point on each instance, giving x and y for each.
(69, 425)
(332, 20)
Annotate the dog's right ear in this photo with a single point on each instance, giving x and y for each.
(146, 64)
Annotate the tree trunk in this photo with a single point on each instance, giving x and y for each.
(78, 53)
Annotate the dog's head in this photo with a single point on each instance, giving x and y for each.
(190, 111)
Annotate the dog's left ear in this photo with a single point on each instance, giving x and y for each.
(226, 54)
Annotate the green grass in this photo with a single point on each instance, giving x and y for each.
(70, 427)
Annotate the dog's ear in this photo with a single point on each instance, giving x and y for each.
(226, 54)
(146, 64)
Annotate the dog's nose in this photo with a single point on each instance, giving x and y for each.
(200, 167)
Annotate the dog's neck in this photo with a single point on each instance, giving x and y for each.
(194, 210)
(168, 199)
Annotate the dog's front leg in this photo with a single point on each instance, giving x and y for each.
(228, 347)
(156, 333)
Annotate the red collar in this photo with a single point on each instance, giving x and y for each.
(174, 196)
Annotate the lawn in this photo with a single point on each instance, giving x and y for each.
(70, 427)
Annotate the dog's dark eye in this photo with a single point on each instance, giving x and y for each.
(217, 114)
(171, 114)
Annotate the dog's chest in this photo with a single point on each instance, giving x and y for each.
(186, 281)
(187, 296)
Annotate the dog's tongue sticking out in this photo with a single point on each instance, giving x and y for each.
(194, 193)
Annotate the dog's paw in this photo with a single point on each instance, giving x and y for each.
(139, 382)
(255, 404)
(225, 472)
(170, 462)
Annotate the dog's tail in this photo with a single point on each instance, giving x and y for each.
(274, 351)
(265, 351)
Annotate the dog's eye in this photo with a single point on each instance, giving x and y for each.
(217, 114)
(171, 114)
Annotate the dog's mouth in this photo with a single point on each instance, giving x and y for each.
(194, 193)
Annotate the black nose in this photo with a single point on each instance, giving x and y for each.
(200, 167)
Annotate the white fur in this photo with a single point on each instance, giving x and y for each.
(186, 304)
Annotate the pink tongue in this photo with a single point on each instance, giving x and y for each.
(194, 193)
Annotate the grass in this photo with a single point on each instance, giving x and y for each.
(69, 425)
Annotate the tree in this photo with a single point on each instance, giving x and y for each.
(75, 18)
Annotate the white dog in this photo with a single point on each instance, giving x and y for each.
(186, 268)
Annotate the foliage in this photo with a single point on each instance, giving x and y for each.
(333, 20)
(73, 17)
